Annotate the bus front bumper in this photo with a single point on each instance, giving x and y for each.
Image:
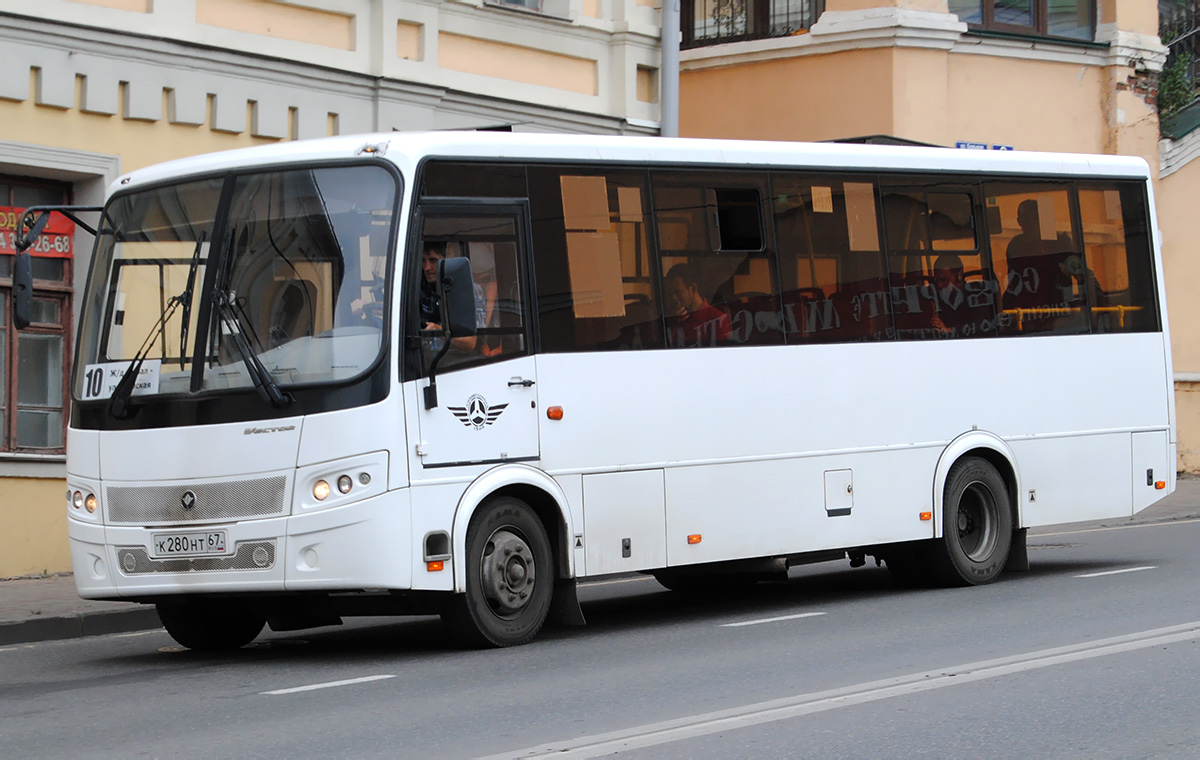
(364, 545)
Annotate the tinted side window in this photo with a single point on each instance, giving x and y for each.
(464, 179)
(1116, 245)
(593, 260)
(941, 284)
(1037, 258)
(717, 263)
(831, 269)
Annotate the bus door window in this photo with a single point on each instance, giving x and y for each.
(830, 259)
(717, 259)
(491, 243)
(940, 285)
(1116, 246)
(1037, 257)
(596, 289)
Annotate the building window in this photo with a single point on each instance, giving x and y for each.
(712, 22)
(1071, 19)
(33, 362)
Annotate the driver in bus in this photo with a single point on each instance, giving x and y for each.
(431, 306)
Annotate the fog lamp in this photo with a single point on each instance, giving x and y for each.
(321, 490)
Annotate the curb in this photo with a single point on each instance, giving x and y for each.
(79, 625)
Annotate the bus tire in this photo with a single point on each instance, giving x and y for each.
(211, 625)
(976, 525)
(510, 577)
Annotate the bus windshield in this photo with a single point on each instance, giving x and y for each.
(299, 277)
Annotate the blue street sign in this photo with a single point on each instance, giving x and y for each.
(971, 145)
(1002, 147)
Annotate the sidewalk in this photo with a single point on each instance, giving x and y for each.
(41, 609)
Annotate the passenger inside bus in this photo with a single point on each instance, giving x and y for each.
(1045, 275)
(692, 320)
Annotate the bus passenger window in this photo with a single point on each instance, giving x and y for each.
(1117, 250)
(830, 261)
(1042, 270)
(596, 289)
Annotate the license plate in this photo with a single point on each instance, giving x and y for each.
(198, 544)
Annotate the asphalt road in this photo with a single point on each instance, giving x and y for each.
(1094, 652)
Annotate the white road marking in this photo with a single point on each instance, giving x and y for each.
(8, 649)
(329, 685)
(593, 584)
(771, 619)
(1117, 572)
(1113, 527)
(139, 633)
(705, 724)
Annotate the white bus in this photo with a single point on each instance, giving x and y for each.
(454, 373)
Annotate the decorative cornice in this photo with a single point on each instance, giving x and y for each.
(1141, 52)
(834, 32)
(1173, 155)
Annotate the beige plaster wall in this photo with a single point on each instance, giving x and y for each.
(33, 516)
(790, 99)
(286, 22)
(139, 6)
(1031, 105)
(1176, 197)
(472, 55)
(138, 143)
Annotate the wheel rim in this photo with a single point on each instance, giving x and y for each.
(508, 573)
(977, 518)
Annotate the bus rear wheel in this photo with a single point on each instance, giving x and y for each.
(211, 625)
(510, 577)
(977, 525)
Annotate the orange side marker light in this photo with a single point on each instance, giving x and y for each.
(436, 566)
(554, 412)
(694, 538)
(926, 516)
(1160, 485)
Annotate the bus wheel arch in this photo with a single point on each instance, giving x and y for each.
(538, 490)
(995, 452)
(978, 517)
(509, 574)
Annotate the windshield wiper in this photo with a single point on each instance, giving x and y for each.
(267, 388)
(186, 298)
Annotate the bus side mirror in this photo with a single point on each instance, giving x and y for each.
(22, 303)
(457, 291)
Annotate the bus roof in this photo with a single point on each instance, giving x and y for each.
(406, 149)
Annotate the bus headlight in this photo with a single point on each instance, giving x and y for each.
(321, 490)
(345, 484)
(77, 500)
(91, 502)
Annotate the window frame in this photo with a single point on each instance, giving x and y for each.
(59, 291)
(1041, 22)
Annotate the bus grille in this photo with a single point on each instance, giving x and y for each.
(231, 499)
(248, 555)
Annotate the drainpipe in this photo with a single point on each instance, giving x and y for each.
(669, 73)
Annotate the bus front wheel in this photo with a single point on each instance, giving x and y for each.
(976, 525)
(510, 577)
(211, 625)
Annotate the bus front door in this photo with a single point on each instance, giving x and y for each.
(487, 395)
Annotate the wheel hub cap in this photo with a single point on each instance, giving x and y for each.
(508, 573)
